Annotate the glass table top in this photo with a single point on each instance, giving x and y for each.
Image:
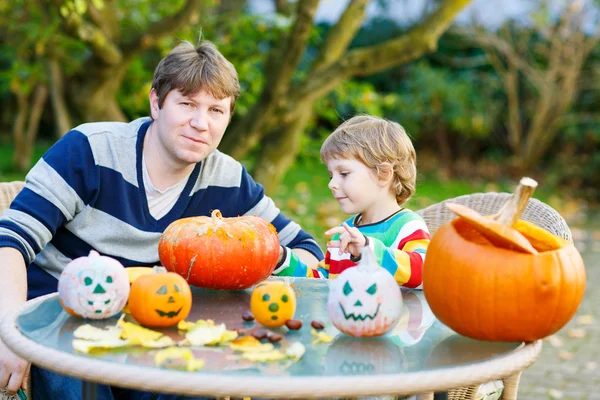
(418, 343)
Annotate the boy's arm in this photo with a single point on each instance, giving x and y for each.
(291, 264)
(404, 259)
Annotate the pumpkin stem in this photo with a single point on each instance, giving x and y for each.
(94, 253)
(510, 213)
(159, 269)
(367, 261)
(216, 216)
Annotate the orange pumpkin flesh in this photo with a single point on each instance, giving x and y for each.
(498, 234)
(220, 253)
(492, 293)
(160, 299)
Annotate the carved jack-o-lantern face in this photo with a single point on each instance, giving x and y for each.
(160, 299)
(273, 303)
(364, 302)
(93, 287)
(357, 356)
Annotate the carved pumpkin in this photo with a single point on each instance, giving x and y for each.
(133, 273)
(160, 299)
(220, 253)
(492, 290)
(93, 287)
(273, 303)
(365, 300)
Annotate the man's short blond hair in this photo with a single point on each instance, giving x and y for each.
(379, 144)
(191, 69)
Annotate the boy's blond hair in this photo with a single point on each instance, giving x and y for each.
(191, 69)
(379, 144)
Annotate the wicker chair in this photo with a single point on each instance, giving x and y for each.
(536, 212)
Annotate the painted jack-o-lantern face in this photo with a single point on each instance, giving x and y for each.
(93, 287)
(273, 303)
(160, 299)
(364, 300)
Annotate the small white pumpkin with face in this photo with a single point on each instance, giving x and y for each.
(365, 300)
(95, 287)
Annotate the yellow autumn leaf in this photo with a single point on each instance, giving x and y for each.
(174, 357)
(295, 351)
(273, 355)
(321, 337)
(190, 326)
(137, 334)
(164, 341)
(206, 335)
(90, 332)
(228, 336)
(88, 346)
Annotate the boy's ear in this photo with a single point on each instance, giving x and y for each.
(385, 175)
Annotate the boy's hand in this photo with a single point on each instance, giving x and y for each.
(350, 240)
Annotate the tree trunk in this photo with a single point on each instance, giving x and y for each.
(445, 149)
(279, 151)
(96, 99)
(62, 120)
(25, 140)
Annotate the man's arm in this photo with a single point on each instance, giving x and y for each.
(13, 293)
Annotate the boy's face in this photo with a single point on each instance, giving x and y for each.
(191, 127)
(355, 186)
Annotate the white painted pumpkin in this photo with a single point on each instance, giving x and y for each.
(93, 287)
(365, 300)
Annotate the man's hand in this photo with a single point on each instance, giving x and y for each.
(14, 371)
(351, 239)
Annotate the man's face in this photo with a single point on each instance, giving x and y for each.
(191, 127)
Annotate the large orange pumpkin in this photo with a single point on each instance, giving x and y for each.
(488, 292)
(220, 253)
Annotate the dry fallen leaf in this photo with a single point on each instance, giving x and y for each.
(565, 355)
(555, 394)
(295, 351)
(89, 332)
(320, 337)
(585, 320)
(88, 346)
(555, 340)
(249, 344)
(137, 334)
(175, 357)
(591, 365)
(576, 333)
(273, 355)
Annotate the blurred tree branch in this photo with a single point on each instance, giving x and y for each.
(552, 65)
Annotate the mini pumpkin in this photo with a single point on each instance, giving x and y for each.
(365, 300)
(273, 303)
(490, 289)
(160, 299)
(220, 253)
(93, 286)
(133, 273)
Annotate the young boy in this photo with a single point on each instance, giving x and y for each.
(372, 164)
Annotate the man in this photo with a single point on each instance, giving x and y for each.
(114, 187)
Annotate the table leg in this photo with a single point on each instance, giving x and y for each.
(89, 390)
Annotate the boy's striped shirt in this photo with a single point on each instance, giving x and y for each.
(399, 243)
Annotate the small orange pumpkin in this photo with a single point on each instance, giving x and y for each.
(492, 290)
(160, 299)
(273, 303)
(220, 253)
